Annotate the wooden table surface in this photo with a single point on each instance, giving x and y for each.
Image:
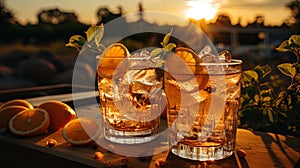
(263, 149)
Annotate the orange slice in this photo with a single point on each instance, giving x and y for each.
(29, 122)
(81, 131)
(111, 58)
(183, 64)
(188, 55)
(7, 113)
(17, 102)
(59, 112)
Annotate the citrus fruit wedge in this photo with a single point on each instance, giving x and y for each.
(29, 122)
(7, 113)
(187, 55)
(81, 131)
(111, 58)
(17, 102)
(59, 112)
(183, 63)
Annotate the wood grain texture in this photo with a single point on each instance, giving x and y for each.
(263, 149)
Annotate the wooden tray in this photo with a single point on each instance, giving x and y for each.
(263, 149)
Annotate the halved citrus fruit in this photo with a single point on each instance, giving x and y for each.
(59, 112)
(29, 122)
(17, 102)
(81, 131)
(7, 113)
(188, 55)
(182, 64)
(111, 58)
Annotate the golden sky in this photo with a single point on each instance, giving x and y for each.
(274, 11)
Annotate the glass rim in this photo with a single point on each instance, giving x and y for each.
(127, 57)
(232, 62)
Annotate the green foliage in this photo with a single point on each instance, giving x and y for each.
(291, 45)
(165, 43)
(94, 36)
(76, 41)
(166, 47)
(93, 39)
(261, 107)
(161, 53)
(288, 69)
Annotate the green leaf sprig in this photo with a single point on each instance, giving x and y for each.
(161, 53)
(287, 69)
(165, 43)
(92, 39)
(76, 41)
(254, 76)
(291, 45)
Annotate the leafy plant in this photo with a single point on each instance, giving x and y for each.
(161, 53)
(92, 39)
(92, 43)
(264, 109)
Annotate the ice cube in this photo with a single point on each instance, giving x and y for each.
(225, 56)
(105, 87)
(146, 77)
(233, 79)
(138, 62)
(209, 58)
(205, 50)
(135, 55)
(139, 59)
(233, 92)
(138, 87)
(206, 55)
(189, 86)
(144, 53)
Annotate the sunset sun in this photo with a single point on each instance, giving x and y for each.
(200, 9)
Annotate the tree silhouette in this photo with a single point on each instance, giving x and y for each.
(104, 15)
(258, 22)
(294, 7)
(6, 16)
(224, 20)
(55, 17)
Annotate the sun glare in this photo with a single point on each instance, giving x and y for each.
(201, 9)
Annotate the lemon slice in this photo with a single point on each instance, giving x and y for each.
(111, 58)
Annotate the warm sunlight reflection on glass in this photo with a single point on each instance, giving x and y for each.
(201, 9)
